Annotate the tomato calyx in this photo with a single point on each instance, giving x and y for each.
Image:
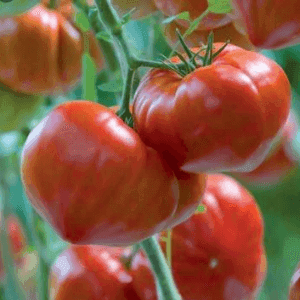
(191, 60)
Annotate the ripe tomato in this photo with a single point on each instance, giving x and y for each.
(270, 24)
(93, 179)
(40, 52)
(16, 108)
(281, 161)
(217, 254)
(90, 272)
(195, 8)
(220, 117)
(294, 292)
(221, 34)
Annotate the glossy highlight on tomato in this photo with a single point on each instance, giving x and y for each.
(41, 51)
(90, 272)
(221, 117)
(94, 180)
(270, 24)
(217, 254)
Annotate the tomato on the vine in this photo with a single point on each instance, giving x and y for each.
(92, 273)
(94, 180)
(280, 162)
(16, 108)
(216, 254)
(195, 9)
(270, 24)
(220, 117)
(41, 51)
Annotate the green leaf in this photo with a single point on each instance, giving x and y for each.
(16, 7)
(185, 15)
(219, 6)
(105, 36)
(82, 21)
(127, 17)
(88, 78)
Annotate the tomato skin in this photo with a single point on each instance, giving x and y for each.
(90, 272)
(16, 108)
(86, 153)
(40, 52)
(221, 34)
(220, 117)
(217, 254)
(294, 291)
(280, 162)
(195, 8)
(270, 24)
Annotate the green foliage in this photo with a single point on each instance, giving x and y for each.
(16, 7)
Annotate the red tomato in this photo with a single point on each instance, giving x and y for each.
(221, 34)
(217, 254)
(220, 117)
(94, 180)
(195, 8)
(90, 272)
(40, 52)
(281, 161)
(270, 24)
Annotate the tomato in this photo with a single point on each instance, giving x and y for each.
(93, 179)
(40, 52)
(90, 272)
(16, 108)
(221, 34)
(270, 24)
(219, 117)
(195, 9)
(281, 161)
(218, 254)
(294, 291)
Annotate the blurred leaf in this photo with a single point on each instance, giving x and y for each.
(88, 78)
(105, 36)
(182, 16)
(219, 6)
(115, 85)
(82, 21)
(16, 7)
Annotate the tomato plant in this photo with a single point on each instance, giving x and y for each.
(103, 178)
(270, 24)
(40, 52)
(16, 108)
(223, 116)
(195, 9)
(216, 254)
(280, 162)
(221, 34)
(90, 272)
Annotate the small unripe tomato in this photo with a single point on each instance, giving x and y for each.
(270, 24)
(104, 180)
(216, 254)
(280, 162)
(92, 273)
(220, 117)
(195, 9)
(221, 34)
(41, 51)
(16, 108)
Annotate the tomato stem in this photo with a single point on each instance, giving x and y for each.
(165, 283)
(53, 4)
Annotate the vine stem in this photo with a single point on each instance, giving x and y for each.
(165, 283)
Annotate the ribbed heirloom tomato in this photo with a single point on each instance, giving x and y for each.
(94, 180)
(217, 254)
(270, 24)
(40, 51)
(223, 116)
(92, 273)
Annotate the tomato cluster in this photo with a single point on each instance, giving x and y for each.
(102, 184)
